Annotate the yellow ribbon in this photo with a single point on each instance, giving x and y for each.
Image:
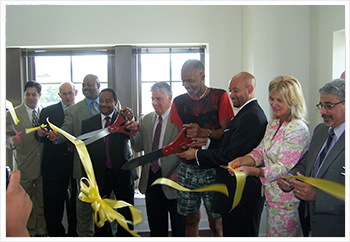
(9, 106)
(240, 183)
(104, 208)
(218, 187)
(333, 188)
(29, 130)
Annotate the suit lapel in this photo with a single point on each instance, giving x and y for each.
(332, 155)
(319, 141)
(23, 116)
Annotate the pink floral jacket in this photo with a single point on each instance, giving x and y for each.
(280, 153)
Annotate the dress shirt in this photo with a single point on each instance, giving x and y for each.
(165, 118)
(30, 111)
(89, 101)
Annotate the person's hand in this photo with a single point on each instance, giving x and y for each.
(16, 139)
(303, 191)
(195, 131)
(188, 154)
(133, 126)
(197, 142)
(247, 170)
(234, 163)
(285, 186)
(42, 132)
(128, 113)
(18, 208)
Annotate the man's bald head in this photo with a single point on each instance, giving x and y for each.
(242, 87)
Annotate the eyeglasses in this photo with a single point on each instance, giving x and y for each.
(327, 106)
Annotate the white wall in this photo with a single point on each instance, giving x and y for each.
(265, 40)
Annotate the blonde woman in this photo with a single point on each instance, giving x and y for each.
(285, 141)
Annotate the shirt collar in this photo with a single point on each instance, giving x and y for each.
(165, 115)
(88, 101)
(29, 110)
(110, 115)
(249, 101)
(338, 131)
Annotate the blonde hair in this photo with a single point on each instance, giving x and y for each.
(291, 94)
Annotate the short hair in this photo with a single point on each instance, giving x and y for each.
(92, 76)
(33, 84)
(335, 87)
(196, 64)
(71, 83)
(163, 87)
(291, 94)
(114, 93)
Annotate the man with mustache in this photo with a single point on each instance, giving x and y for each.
(322, 214)
(107, 157)
(57, 167)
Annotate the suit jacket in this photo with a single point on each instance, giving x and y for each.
(119, 151)
(243, 134)
(143, 142)
(57, 160)
(28, 154)
(74, 115)
(327, 214)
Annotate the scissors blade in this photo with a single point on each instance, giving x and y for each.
(89, 135)
(154, 155)
(98, 136)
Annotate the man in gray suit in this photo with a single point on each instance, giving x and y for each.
(28, 154)
(320, 212)
(160, 200)
(74, 115)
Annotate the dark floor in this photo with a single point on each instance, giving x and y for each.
(202, 233)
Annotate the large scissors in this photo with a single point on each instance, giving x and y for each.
(174, 147)
(119, 126)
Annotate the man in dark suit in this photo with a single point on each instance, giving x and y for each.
(57, 167)
(320, 212)
(160, 200)
(242, 135)
(107, 160)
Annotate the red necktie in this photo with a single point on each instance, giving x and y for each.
(155, 144)
(108, 157)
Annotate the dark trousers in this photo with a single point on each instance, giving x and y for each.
(54, 194)
(123, 191)
(71, 206)
(158, 207)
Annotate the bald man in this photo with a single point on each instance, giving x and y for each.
(242, 135)
(57, 166)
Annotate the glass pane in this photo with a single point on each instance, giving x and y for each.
(146, 101)
(49, 94)
(155, 67)
(52, 69)
(177, 60)
(90, 64)
(177, 89)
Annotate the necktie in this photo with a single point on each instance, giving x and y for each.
(155, 144)
(35, 121)
(324, 151)
(108, 157)
(94, 109)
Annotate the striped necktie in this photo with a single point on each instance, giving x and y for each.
(155, 144)
(324, 152)
(35, 120)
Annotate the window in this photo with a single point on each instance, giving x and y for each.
(51, 68)
(162, 64)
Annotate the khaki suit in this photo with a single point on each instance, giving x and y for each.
(27, 159)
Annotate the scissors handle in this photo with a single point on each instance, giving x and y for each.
(118, 127)
(178, 143)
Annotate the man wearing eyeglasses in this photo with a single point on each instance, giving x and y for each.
(27, 153)
(320, 212)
